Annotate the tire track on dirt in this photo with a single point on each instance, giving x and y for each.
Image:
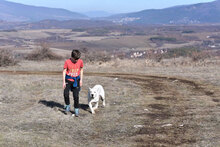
(177, 105)
(113, 75)
(174, 102)
(134, 77)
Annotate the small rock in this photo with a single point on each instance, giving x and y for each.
(167, 125)
(0, 103)
(138, 126)
(116, 79)
(146, 110)
(175, 81)
(181, 125)
(55, 109)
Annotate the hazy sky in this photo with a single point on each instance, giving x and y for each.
(113, 6)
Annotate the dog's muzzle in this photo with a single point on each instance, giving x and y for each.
(92, 96)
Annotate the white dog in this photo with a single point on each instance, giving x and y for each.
(93, 97)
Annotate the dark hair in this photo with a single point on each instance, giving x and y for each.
(76, 54)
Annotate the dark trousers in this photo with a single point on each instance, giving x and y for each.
(75, 90)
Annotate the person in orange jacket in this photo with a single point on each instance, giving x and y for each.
(72, 80)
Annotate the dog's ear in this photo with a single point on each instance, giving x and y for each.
(90, 89)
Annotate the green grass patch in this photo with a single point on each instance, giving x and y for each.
(160, 38)
(188, 32)
(78, 30)
(98, 32)
(12, 30)
(140, 33)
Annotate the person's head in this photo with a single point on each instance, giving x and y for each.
(76, 54)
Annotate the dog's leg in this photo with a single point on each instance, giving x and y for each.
(96, 105)
(90, 106)
(103, 101)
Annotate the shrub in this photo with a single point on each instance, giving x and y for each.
(97, 56)
(183, 51)
(201, 55)
(7, 58)
(157, 57)
(192, 52)
(43, 53)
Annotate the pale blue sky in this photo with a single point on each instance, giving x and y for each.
(113, 6)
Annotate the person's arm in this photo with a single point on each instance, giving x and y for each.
(64, 78)
(81, 77)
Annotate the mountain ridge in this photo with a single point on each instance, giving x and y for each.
(183, 14)
(11, 11)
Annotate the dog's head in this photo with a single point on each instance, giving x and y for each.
(92, 93)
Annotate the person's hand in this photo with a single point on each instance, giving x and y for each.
(64, 85)
(81, 83)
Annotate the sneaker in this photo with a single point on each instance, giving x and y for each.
(76, 112)
(67, 108)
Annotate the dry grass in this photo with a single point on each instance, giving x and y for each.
(36, 117)
(183, 92)
(206, 70)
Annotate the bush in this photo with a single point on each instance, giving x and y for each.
(183, 51)
(7, 58)
(98, 56)
(194, 53)
(201, 55)
(43, 53)
(157, 57)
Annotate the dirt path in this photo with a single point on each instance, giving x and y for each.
(169, 111)
(184, 112)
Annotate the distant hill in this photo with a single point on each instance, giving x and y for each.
(10, 11)
(95, 14)
(32, 17)
(67, 24)
(55, 24)
(187, 14)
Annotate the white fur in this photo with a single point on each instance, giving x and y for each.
(93, 97)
